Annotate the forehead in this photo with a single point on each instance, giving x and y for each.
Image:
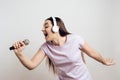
(47, 22)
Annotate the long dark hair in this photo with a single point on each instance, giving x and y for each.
(62, 29)
(63, 32)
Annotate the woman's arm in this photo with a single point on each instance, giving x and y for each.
(83, 58)
(28, 63)
(95, 55)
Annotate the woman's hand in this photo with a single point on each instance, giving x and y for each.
(109, 62)
(19, 46)
(97, 56)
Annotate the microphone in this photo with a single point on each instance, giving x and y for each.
(26, 42)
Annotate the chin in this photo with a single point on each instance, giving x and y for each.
(48, 40)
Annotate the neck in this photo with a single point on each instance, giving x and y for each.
(59, 40)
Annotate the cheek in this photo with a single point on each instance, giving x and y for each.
(50, 31)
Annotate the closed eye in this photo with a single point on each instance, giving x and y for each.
(46, 27)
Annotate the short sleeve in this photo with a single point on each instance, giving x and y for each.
(44, 48)
(80, 41)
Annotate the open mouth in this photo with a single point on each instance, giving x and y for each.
(45, 34)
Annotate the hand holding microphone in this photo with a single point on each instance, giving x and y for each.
(19, 45)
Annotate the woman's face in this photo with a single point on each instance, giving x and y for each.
(47, 30)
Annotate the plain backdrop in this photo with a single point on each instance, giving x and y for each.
(97, 21)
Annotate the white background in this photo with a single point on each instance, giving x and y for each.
(98, 21)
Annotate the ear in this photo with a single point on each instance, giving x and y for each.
(55, 28)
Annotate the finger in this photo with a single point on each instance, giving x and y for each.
(109, 60)
(22, 43)
(18, 44)
(112, 62)
(15, 45)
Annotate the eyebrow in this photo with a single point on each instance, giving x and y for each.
(45, 24)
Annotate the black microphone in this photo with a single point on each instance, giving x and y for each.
(26, 42)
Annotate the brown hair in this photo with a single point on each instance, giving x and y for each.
(63, 32)
(62, 29)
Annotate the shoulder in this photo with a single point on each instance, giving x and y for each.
(75, 36)
(44, 45)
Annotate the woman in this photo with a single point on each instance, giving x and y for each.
(63, 50)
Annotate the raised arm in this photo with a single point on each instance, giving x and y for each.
(95, 55)
(28, 63)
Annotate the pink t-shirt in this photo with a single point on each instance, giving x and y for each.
(67, 58)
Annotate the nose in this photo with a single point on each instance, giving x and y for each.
(43, 29)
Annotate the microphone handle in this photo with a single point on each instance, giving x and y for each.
(12, 48)
(26, 42)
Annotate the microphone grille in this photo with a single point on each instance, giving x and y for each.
(26, 41)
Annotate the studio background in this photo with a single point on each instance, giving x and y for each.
(97, 21)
